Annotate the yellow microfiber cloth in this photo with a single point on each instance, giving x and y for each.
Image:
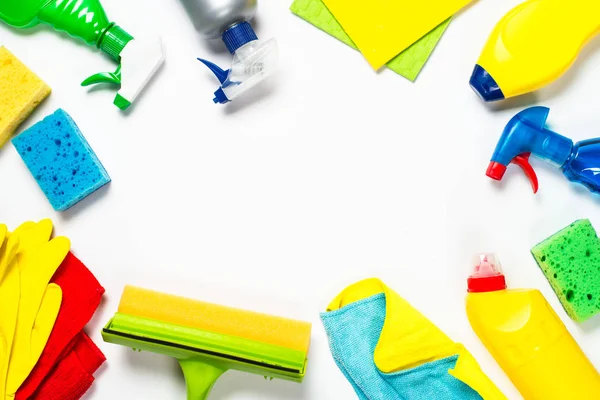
(35, 259)
(382, 29)
(388, 350)
(20, 93)
(408, 63)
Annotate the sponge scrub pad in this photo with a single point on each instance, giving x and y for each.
(570, 259)
(20, 93)
(215, 318)
(61, 160)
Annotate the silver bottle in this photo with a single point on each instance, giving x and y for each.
(212, 17)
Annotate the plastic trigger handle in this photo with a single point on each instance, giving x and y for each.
(219, 72)
(104, 77)
(522, 160)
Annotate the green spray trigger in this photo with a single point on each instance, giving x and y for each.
(104, 77)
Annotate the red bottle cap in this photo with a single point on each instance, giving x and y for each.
(487, 277)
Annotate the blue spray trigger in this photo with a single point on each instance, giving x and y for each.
(220, 73)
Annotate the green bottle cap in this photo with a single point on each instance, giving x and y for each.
(114, 41)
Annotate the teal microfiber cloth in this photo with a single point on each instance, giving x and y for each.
(61, 160)
(354, 332)
(570, 260)
(407, 64)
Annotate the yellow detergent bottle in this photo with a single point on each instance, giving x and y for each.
(527, 338)
(534, 44)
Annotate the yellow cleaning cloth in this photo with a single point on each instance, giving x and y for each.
(251, 325)
(382, 29)
(20, 93)
(408, 339)
(37, 259)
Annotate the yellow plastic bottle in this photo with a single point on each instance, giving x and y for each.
(527, 338)
(532, 45)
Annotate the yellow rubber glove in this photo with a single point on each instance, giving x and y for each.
(9, 300)
(37, 261)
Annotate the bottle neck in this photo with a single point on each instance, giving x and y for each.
(484, 284)
(551, 146)
(238, 35)
(114, 41)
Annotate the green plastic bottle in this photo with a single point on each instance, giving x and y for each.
(87, 20)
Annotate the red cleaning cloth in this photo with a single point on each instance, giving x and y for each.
(72, 376)
(81, 294)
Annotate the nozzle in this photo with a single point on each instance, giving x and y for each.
(496, 171)
(222, 75)
(526, 134)
(485, 86)
(253, 61)
(487, 275)
(140, 60)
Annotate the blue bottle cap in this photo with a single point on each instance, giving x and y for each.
(484, 85)
(238, 35)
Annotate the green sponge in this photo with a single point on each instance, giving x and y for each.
(570, 259)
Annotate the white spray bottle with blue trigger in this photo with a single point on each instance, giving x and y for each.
(253, 60)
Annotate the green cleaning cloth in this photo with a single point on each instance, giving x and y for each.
(408, 63)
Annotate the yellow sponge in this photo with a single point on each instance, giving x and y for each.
(20, 92)
(215, 318)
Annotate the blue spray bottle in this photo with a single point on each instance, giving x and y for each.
(253, 60)
(526, 134)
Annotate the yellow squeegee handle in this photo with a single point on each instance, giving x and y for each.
(200, 377)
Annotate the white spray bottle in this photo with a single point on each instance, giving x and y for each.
(253, 60)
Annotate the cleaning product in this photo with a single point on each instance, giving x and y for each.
(534, 44)
(253, 60)
(61, 160)
(526, 134)
(138, 59)
(209, 339)
(37, 259)
(527, 338)
(389, 351)
(73, 376)
(21, 91)
(570, 260)
(10, 292)
(81, 295)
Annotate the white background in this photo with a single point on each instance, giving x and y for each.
(326, 174)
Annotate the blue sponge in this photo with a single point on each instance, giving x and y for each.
(61, 160)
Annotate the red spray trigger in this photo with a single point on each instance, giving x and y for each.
(522, 160)
(496, 170)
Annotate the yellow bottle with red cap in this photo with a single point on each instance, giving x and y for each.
(527, 338)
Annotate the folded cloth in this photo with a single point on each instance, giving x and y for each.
(382, 29)
(389, 351)
(72, 377)
(408, 63)
(81, 297)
